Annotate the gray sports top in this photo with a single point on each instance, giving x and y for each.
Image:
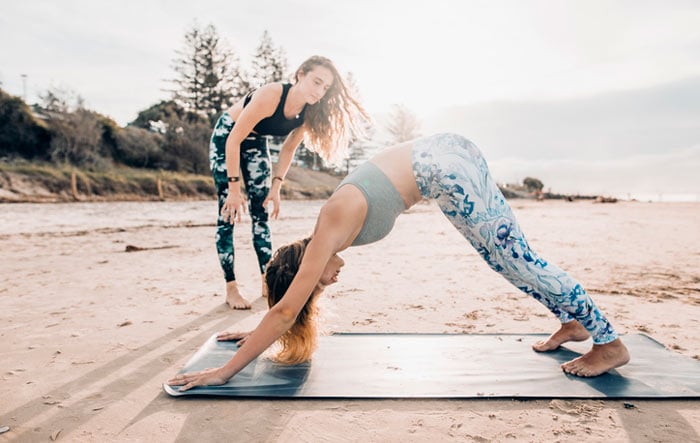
(384, 203)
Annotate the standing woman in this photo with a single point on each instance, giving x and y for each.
(317, 107)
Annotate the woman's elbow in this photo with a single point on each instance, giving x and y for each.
(285, 315)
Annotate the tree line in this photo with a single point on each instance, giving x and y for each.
(172, 134)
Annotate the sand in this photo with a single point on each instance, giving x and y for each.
(89, 332)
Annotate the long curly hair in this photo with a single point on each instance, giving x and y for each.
(337, 119)
(299, 342)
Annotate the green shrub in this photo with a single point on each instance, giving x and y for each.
(138, 147)
(21, 134)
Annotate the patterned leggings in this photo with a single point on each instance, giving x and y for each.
(255, 168)
(451, 170)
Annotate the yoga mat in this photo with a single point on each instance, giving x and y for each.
(449, 366)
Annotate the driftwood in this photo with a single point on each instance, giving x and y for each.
(132, 248)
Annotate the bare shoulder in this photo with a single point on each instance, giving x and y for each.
(345, 200)
(342, 216)
(270, 92)
(266, 94)
(263, 102)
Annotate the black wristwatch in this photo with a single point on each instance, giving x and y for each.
(234, 179)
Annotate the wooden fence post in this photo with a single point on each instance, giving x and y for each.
(159, 185)
(74, 185)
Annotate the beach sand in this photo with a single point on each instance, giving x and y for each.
(89, 332)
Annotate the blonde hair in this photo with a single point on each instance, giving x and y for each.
(337, 119)
(299, 342)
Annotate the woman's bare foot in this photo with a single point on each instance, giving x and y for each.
(598, 360)
(571, 331)
(234, 298)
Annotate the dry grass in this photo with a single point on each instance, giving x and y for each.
(39, 182)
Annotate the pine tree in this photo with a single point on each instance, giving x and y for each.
(269, 63)
(208, 76)
(403, 125)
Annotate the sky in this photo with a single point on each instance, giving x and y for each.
(589, 96)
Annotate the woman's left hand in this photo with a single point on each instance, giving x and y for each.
(207, 377)
(273, 197)
(239, 337)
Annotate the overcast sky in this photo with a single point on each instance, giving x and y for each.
(606, 87)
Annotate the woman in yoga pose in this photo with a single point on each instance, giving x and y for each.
(451, 170)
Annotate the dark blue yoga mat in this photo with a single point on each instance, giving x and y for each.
(449, 366)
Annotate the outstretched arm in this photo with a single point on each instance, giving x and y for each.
(280, 317)
(272, 326)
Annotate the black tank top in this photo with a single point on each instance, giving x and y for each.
(277, 124)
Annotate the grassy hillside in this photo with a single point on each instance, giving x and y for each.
(33, 182)
(40, 182)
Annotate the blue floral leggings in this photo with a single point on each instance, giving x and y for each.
(451, 170)
(255, 168)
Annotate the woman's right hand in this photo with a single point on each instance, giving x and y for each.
(207, 377)
(233, 206)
